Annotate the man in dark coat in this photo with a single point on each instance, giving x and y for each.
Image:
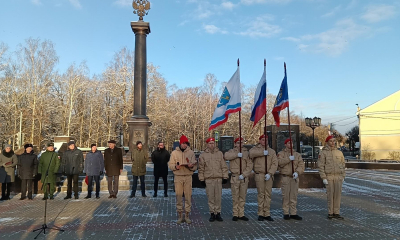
(113, 164)
(160, 158)
(8, 161)
(94, 167)
(49, 163)
(72, 163)
(27, 170)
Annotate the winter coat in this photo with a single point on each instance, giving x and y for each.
(285, 165)
(179, 156)
(44, 164)
(113, 161)
(160, 158)
(257, 155)
(72, 161)
(27, 165)
(139, 159)
(331, 164)
(8, 161)
(94, 163)
(234, 161)
(212, 165)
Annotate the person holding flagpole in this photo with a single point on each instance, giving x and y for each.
(290, 181)
(264, 177)
(239, 177)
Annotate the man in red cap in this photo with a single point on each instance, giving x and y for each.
(290, 180)
(331, 167)
(239, 177)
(213, 172)
(265, 164)
(183, 163)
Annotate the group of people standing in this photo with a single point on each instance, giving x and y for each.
(212, 172)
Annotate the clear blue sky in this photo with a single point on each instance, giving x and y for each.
(338, 53)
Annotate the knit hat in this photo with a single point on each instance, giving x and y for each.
(328, 138)
(50, 145)
(28, 145)
(183, 139)
(7, 146)
(70, 143)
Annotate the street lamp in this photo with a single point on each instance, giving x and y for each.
(313, 123)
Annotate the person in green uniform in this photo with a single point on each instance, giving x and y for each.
(49, 182)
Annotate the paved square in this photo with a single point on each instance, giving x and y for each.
(370, 205)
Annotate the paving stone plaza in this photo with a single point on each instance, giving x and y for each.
(370, 206)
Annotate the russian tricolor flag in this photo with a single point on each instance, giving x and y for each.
(259, 109)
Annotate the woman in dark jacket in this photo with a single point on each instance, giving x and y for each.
(27, 170)
(8, 161)
(94, 167)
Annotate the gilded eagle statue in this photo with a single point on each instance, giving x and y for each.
(141, 8)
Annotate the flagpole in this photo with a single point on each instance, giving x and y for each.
(290, 132)
(240, 132)
(265, 126)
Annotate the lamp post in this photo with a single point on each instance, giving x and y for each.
(313, 123)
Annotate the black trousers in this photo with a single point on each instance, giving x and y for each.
(156, 183)
(142, 185)
(25, 182)
(75, 178)
(90, 186)
(4, 187)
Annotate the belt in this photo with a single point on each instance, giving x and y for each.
(287, 175)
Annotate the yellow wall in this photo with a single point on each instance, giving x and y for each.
(380, 126)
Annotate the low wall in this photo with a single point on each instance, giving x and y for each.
(373, 165)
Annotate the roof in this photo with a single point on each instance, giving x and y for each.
(379, 101)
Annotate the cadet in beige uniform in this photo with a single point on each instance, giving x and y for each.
(183, 163)
(290, 180)
(239, 179)
(264, 176)
(213, 172)
(331, 167)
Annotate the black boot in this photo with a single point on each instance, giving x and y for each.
(296, 217)
(155, 194)
(330, 216)
(286, 217)
(260, 218)
(337, 216)
(218, 217)
(269, 218)
(212, 217)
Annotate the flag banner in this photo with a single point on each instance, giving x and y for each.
(230, 101)
(259, 109)
(282, 99)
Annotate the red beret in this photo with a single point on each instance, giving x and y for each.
(237, 139)
(288, 140)
(210, 139)
(262, 136)
(183, 139)
(328, 138)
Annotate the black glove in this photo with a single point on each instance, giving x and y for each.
(224, 181)
(203, 183)
(101, 172)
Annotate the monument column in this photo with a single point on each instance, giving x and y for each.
(139, 123)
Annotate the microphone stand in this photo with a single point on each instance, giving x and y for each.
(44, 226)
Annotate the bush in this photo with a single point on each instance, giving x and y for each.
(394, 156)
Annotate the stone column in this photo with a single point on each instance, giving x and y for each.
(139, 123)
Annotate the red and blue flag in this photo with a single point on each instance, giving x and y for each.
(282, 99)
